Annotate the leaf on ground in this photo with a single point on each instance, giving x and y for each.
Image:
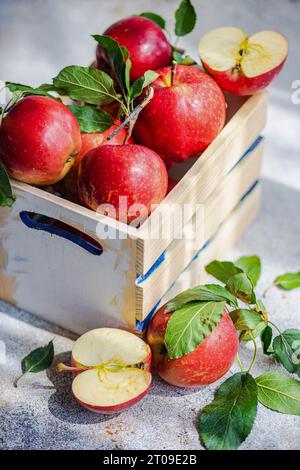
(228, 420)
(279, 392)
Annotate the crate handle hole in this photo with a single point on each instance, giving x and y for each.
(61, 229)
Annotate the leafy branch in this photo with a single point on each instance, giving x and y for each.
(228, 420)
(185, 21)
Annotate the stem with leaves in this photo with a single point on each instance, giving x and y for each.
(130, 120)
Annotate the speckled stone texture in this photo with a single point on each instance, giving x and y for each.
(37, 39)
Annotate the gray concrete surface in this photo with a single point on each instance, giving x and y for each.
(37, 38)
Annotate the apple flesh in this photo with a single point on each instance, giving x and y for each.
(184, 115)
(145, 42)
(39, 140)
(111, 369)
(207, 363)
(243, 64)
(113, 393)
(89, 142)
(130, 171)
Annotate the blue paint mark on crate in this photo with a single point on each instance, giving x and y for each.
(158, 262)
(143, 325)
(250, 150)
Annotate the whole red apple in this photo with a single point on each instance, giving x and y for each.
(243, 64)
(95, 139)
(145, 42)
(184, 116)
(131, 171)
(90, 141)
(207, 363)
(39, 140)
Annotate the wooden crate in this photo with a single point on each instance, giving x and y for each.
(64, 267)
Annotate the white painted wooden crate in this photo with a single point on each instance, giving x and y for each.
(61, 270)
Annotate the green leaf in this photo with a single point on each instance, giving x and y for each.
(141, 83)
(128, 65)
(90, 119)
(190, 325)
(179, 58)
(16, 96)
(185, 18)
(241, 286)
(86, 84)
(287, 350)
(261, 306)
(228, 420)
(154, 17)
(42, 90)
(208, 292)
(222, 270)
(244, 319)
(118, 56)
(288, 281)
(251, 265)
(188, 60)
(38, 360)
(279, 392)
(266, 339)
(249, 335)
(6, 195)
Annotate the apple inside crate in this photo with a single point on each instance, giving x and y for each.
(60, 261)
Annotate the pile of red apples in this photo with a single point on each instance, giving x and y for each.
(41, 142)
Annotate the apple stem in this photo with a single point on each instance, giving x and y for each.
(254, 355)
(61, 367)
(239, 362)
(267, 290)
(173, 72)
(15, 383)
(131, 119)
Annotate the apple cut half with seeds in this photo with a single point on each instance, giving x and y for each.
(243, 64)
(111, 370)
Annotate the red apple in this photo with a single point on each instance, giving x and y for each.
(95, 139)
(207, 363)
(39, 140)
(113, 171)
(112, 108)
(111, 369)
(243, 64)
(183, 117)
(90, 141)
(171, 184)
(145, 41)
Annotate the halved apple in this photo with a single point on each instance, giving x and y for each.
(108, 392)
(243, 64)
(111, 369)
